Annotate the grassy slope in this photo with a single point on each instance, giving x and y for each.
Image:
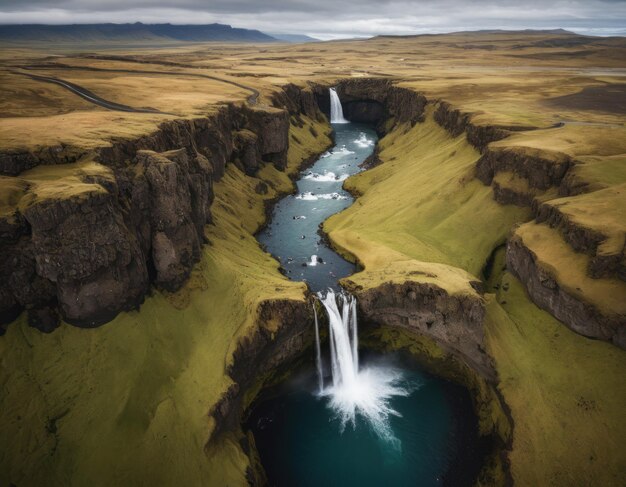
(424, 204)
(564, 390)
(566, 394)
(127, 403)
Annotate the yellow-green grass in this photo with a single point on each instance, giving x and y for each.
(509, 80)
(575, 140)
(127, 403)
(305, 142)
(565, 392)
(600, 172)
(603, 211)
(81, 129)
(11, 192)
(143, 384)
(24, 97)
(77, 180)
(132, 397)
(190, 96)
(303, 145)
(422, 203)
(569, 269)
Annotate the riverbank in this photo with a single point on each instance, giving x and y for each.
(150, 377)
(424, 225)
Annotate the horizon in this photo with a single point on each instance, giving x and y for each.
(320, 39)
(326, 20)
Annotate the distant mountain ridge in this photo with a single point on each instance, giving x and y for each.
(137, 32)
(294, 38)
(486, 32)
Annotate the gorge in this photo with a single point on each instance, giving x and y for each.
(173, 260)
(360, 397)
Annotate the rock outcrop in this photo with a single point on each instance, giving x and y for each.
(545, 291)
(542, 169)
(457, 122)
(297, 100)
(285, 330)
(455, 323)
(136, 222)
(376, 101)
(607, 252)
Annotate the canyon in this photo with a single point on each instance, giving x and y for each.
(489, 247)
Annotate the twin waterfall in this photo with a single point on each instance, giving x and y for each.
(343, 338)
(336, 112)
(366, 391)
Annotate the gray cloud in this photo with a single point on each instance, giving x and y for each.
(329, 19)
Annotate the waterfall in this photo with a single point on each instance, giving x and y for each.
(336, 112)
(318, 353)
(344, 350)
(366, 391)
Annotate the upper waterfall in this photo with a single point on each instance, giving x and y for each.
(336, 112)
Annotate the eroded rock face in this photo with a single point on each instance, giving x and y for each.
(272, 129)
(375, 100)
(178, 207)
(457, 122)
(16, 161)
(586, 240)
(247, 153)
(297, 101)
(454, 322)
(542, 169)
(285, 330)
(95, 253)
(82, 244)
(546, 293)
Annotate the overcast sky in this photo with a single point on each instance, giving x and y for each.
(330, 19)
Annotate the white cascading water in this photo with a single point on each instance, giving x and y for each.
(366, 391)
(336, 112)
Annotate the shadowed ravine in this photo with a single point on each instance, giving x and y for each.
(347, 421)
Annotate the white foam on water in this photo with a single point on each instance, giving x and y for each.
(356, 392)
(326, 177)
(313, 262)
(308, 196)
(342, 151)
(363, 141)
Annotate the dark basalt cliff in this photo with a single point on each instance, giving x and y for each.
(457, 122)
(90, 255)
(546, 292)
(455, 323)
(604, 262)
(285, 330)
(376, 101)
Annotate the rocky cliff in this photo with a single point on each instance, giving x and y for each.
(89, 243)
(455, 323)
(456, 122)
(543, 286)
(375, 100)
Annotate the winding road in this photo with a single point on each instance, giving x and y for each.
(252, 98)
(89, 96)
